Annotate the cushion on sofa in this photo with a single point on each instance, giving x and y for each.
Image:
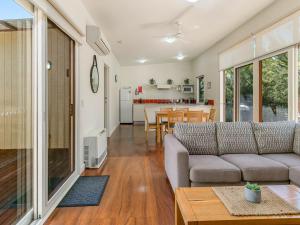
(295, 175)
(288, 159)
(274, 137)
(296, 146)
(257, 168)
(212, 169)
(199, 139)
(235, 138)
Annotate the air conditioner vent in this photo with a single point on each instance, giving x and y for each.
(96, 41)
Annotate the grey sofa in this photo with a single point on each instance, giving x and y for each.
(212, 154)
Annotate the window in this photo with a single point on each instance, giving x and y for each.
(245, 93)
(200, 89)
(16, 130)
(274, 88)
(229, 94)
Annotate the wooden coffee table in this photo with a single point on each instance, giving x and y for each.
(200, 206)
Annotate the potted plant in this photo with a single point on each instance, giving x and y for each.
(152, 81)
(186, 81)
(170, 81)
(252, 193)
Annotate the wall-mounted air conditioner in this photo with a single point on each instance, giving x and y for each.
(95, 40)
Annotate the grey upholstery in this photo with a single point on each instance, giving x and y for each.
(296, 144)
(295, 175)
(235, 137)
(274, 137)
(199, 139)
(276, 142)
(212, 169)
(288, 159)
(176, 162)
(258, 168)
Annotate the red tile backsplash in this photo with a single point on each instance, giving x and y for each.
(163, 101)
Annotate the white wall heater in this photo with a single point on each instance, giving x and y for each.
(95, 149)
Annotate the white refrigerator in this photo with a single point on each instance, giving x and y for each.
(126, 105)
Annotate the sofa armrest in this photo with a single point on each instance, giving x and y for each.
(176, 162)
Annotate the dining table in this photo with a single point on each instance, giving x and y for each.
(160, 115)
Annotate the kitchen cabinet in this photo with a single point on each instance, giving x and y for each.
(138, 113)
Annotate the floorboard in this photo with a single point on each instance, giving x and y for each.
(137, 193)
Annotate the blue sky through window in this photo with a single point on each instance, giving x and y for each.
(9, 9)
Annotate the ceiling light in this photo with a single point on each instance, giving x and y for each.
(170, 39)
(192, 1)
(180, 57)
(142, 61)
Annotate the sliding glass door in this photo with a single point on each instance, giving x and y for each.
(60, 88)
(16, 130)
(229, 94)
(274, 88)
(244, 93)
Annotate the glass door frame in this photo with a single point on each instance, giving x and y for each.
(236, 99)
(290, 52)
(44, 206)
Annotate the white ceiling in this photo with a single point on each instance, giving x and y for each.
(208, 21)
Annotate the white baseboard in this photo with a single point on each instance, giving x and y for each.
(113, 130)
(82, 168)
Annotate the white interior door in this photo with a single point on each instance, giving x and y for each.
(106, 98)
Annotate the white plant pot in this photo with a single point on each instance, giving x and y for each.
(252, 196)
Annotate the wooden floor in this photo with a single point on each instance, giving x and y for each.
(137, 193)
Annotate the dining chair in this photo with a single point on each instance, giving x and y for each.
(148, 126)
(182, 109)
(212, 115)
(164, 121)
(195, 116)
(166, 109)
(173, 118)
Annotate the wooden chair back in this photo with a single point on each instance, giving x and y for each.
(182, 110)
(175, 117)
(195, 116)
(212, 115)
(146, 117)
(166, 109)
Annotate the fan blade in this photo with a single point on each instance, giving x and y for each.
(181, 14)
(153, 25)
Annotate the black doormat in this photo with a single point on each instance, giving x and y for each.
(87, 191)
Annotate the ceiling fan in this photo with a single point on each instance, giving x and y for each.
(170, 38)
(173, 21)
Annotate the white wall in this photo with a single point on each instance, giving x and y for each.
(134, 76)
(208, 62)
(91, 115)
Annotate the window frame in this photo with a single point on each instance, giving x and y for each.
(198, 89)
(293, 113)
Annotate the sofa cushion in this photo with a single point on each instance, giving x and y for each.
(288, 159)
(236, 137)
(199, 139)
(257, 168)
(212, 169)
(295, 175)
(274, 137)
(296, 145)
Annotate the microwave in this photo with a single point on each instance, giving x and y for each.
(187, 89)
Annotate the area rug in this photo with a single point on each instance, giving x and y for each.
(87, 191)
(271, 204)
